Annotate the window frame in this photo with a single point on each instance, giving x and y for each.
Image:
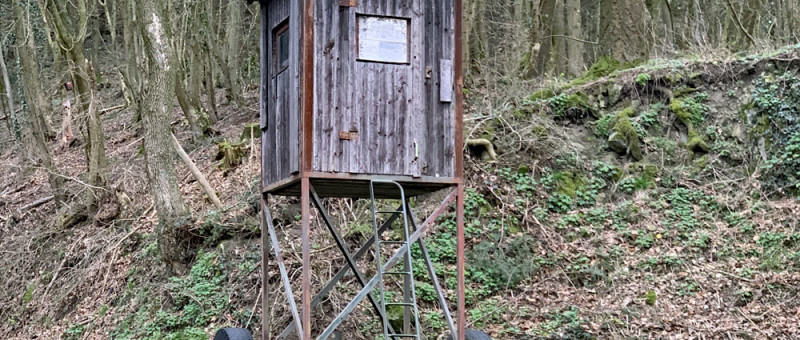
(277, 65)
(358, 37)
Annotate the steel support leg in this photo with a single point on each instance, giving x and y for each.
(276, 248)
(305, 187)
(448, 317)
(266, 305)
(460, 264)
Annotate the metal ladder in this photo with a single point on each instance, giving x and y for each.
(409, 294)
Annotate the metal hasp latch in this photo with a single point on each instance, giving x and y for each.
(348, 135)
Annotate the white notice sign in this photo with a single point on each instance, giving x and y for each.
(383, 39)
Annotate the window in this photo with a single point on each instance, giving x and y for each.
(383, 39)
(280, 46)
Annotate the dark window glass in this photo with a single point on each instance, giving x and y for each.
(281, 47)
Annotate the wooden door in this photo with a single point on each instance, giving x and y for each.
(386, 60)
(369, 83)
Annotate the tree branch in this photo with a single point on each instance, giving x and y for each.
(572, 38)
(197, 174)
(739, 23)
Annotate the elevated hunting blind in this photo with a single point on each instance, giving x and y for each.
(362, 99)
(354, 89)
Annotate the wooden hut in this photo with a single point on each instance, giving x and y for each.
(360, 97)
(354, 89)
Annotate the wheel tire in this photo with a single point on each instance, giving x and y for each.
(233, 334)
(472, 334)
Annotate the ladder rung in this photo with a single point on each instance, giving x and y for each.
(407, 304)
(389, 212)
(394, 242)
(396, 273)
(402, 335)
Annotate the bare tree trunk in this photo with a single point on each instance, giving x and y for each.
(9, 94)
(211, 88)
(198, 122)
(233, 35)
(110, 11)
(69, 23)
(4, 110)
(36, 102)
(21, 151)
(156, 108)
(575, 29)
(625, 34)
(215, 50)
(548, 16)
(131, 52)
(560, 61)
(528, 63)
(478, 37)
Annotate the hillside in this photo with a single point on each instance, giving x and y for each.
(640, 200)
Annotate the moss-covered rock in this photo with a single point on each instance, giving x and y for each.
(544, 94)
(673, 78)
(623, 138)
(697, 144)
(700, 163)
(679, 110)
(650, 171)
(569, 183)
(573, 107)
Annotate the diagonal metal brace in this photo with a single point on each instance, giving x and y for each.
(343, 249)
(389, 263)
(276, 248)
(432, 273)
(342, 272)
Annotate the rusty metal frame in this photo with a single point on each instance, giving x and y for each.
(402, 179)
(266, 220)
(459, 164)
(302, 315)
(389, 263)
(342, 272)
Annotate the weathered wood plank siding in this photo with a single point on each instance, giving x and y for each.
(280, 110)
(440, 117)
(403, 128)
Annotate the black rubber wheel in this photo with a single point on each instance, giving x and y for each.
(233, 334)
(472, 334)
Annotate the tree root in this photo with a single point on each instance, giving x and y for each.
(486, 144)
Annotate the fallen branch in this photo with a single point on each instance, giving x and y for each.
(36, 203)
(107, 110)
(197, 174)
(61, 266)
(114, 256)
(486, 144)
